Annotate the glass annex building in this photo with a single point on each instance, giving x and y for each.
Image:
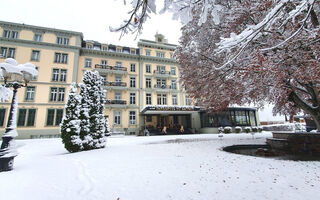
(231, 117)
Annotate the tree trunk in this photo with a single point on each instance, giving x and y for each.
(313, 111)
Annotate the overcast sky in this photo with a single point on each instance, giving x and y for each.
(92, 18)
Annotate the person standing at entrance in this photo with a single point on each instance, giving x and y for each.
(181, 129)
(164, 130)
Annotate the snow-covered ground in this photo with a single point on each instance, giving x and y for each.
(159, 167)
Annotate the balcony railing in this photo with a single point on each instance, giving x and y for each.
(163, 86)
(161, 72)
(116, 101)
(115, 84)
(109, 67)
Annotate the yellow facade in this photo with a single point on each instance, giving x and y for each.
(48, 48)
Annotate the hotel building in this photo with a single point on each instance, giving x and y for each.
(142, 83)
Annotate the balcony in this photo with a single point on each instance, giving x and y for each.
(111, 69)
(161, 73)
(115, 85)
(115, 103)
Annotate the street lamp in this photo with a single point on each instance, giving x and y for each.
(15, 76)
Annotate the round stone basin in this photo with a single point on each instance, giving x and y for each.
(265, 151)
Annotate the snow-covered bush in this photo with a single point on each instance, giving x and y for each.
(247, 129)
(227, 129)
(220, 130)
(254, 129)
(260, 129)
(238, 129)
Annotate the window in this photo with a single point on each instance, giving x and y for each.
(2, 115)
(61, 94)
(188, 100)
(171, 55)
(118, 64)
(148, 68)
(148, 53)
(160, 54)
(54, 117)
(161, 69)
(132, 82)
(6, 33)
(132, 117)
(132, 67)
(63, 40)
(174, 99)
(104, 79)
(161, 83)
(30, 93)
(148, 99)
(132, 98)
(50, 117)
(88, 62)
(118, 79)
(89, 46)
(31, 117)
(35, 55)
(11, 53)
(26, 117)
(161, 99)
(173, 84)
(63, 75)
(104, 62)
(53, 94)
(132, 51)
(61, 58)
(57, 94)
(7, 52)
(14, 34)
(37, 37)
(148, 82)
(104, 48)
(117, 95)
(117, 117)
(119, 50)
(10, 34)
(59, 115)
(173, 71)
(55, 75)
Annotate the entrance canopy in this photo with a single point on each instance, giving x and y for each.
(169, 110)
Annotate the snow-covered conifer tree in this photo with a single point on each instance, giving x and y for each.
(92, 121)
(70, 125)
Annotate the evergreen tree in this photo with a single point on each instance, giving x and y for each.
(92, 118)
(70, 125)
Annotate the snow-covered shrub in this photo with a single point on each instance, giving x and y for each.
(220, 130)
(227, 129)
(247, 129)
(70, 125)
(254, 129)
(238, 129)
(260, 129)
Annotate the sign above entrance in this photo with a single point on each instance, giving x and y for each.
(170, 108)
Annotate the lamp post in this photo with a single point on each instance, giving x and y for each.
(15, 76)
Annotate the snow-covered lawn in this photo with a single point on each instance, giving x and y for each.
(160, 167)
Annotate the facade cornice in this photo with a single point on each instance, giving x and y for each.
(158, 59)
(152, 44)
(31, 42)
(85, 51)
(18, 26)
